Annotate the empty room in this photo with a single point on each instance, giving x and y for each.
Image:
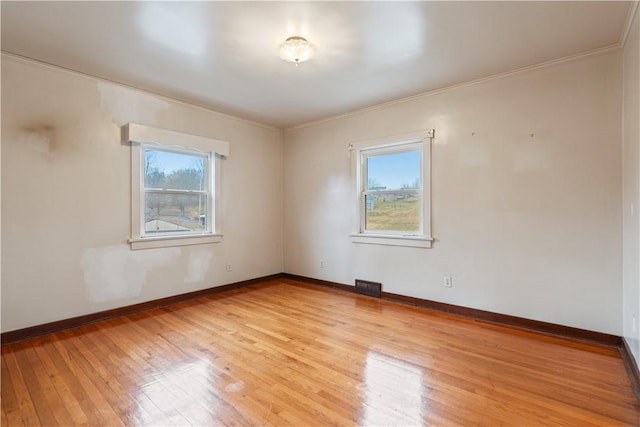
(320, 213)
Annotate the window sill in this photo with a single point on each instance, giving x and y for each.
(392, 240)
(170, 241)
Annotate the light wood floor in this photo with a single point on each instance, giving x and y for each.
(286, 353)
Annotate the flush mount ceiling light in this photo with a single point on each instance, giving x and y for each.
(296, 49)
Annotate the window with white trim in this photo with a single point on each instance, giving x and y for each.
(392, 178)
(175, 185)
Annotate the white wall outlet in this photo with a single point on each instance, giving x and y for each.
(448, 282)
(228, 266)
(322, 263)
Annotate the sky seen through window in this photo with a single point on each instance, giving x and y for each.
(394, 170)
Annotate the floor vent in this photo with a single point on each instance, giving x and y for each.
(369, 288)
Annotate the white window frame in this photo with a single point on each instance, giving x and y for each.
(144, 137)
(360, 151)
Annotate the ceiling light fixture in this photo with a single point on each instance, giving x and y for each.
(296, 49)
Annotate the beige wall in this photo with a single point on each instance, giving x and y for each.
(631, 189)
(526, 226)
(66, 198)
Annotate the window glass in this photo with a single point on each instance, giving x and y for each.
(395, 211)
(176, 195)
(393, 171)
(174, 213)
(392, 193)
(174, 171)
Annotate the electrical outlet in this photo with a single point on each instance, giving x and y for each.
(228, 266)
(448, 282)
(322, 263)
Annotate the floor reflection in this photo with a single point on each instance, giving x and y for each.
(182, 394)
(392, 392)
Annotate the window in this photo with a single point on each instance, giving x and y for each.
(174, 187)
(176, 192)
(392, 189)
(393, 181)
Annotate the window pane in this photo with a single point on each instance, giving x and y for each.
(174, 171)
(397, 211)
(175, 213)
(393, 171)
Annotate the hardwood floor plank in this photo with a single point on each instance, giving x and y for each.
(68, 400)
(126, 376)
(10, 406)
(3, 418)
(27, 412)
(138, 359)
(117, 388)
(289, 353)
(11, 414)
(88, 387)
(36, 395)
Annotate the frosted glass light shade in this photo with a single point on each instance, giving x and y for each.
(296, 49)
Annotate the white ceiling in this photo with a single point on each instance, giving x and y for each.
(223, 55)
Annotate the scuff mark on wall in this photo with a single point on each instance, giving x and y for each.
(126, 105)
(198, 267)
(116, 272)
(39, 137)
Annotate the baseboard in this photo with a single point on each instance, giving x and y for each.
(631, 366)
(511, 321)
(489, 316)
(34, 331)
(319, 282)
